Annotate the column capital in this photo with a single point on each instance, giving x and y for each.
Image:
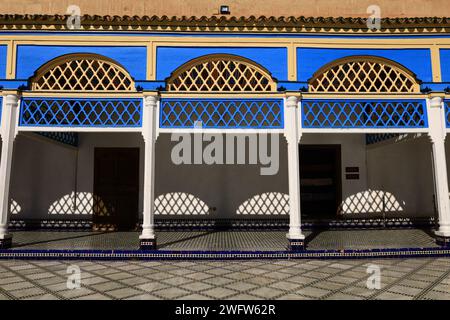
(436, 101)
(8, 92)
(151, 100)
(291, 101)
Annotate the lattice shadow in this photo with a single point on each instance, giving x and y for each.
(268, 203)
(77, 203)
(180, 203)
(370, 202)
(14, 207)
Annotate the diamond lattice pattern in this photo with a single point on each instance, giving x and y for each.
(81, 112)
(364, 114)
(268, 203)
(180, 203)
(363, 76)
(221, 74)
(84, 74)
(223, 113)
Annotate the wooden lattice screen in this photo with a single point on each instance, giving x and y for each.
(86, 72)
(218, 73)
(364, 74)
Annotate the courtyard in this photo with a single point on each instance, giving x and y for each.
(409, 279)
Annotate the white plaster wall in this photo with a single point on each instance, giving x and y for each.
(45, 172)
(42, 172)
(404, 170)
(224, 187)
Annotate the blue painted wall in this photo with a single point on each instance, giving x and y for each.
(3, 53)
(31, 57)
(170, 58)
(445, 64)
(309, 60)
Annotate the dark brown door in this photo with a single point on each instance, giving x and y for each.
(116, 188)
(320, 180)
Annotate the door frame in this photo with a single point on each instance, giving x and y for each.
(337, 148)
(96, 177)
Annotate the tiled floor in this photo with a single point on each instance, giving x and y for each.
(226, 240)
(425, 278)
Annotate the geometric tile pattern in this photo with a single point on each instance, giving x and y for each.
(81, 112)
(363, 74)
(225, 240)
(339, 113)
(223, 73)
(405, 279)
(221, 113)
(82, 73)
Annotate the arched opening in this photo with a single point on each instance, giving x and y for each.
(82, 72)
(364, 74)
(221, 73)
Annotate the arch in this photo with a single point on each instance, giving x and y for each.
(365, 74)
(221, 73)
(82, 72)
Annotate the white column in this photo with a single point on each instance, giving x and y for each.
(292, 134)
(437, 133)
(8, 132)
(149, 126)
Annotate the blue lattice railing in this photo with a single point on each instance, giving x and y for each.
(337, 113)
(221, 113)
(447, 113)
(86, 112)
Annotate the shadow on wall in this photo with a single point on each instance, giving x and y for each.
(224, 187)
(180, 203)
(74, 203)
(371, 203)
(268, 203)
(14, 207)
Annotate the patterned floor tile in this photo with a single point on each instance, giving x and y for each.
(195, 297)
(313, 292)
(196, 286)
(425, 278)
(28, 292)
(171, 293)
(123, 293)
(219, 293)
(106, 286)
(75, 293)
(266, 292)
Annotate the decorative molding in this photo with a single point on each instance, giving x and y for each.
(164, 224)
(227, 24)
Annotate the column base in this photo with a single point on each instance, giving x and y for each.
(147, 244)
(443, 241)
(6, 242)
(296, 244)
